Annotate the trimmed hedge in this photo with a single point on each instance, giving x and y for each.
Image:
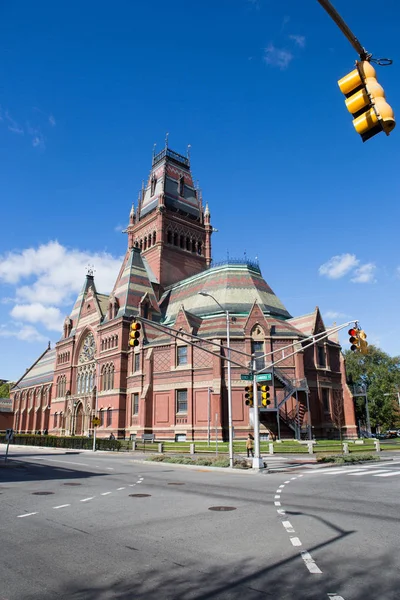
(347, 458)
(204, 462)
(72, 443)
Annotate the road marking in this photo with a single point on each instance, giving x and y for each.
(26, 515)
(277, 497)
(105, 493)
(310, 563)
(132, 484)
(61, 506)
(288, 481)
(87, 499)
(277, 504)
(68, 462)
(118, 489)
(369, 472)
(335, 597)
(282, 486)
(295, 541)
(292, 478)
(388, 474)
(110, 468)
(288, 526)
(300, 475)
(281, 512)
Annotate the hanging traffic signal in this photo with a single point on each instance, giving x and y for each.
(354, 339)
(363, 343)
(134, 333)
(265, 395)
(249, 395)
(366, 101)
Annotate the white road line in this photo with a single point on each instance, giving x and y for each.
(61, 506)
(67, 462)
(369, 472)
(335, 597)
(277, 503)
(105, 493)
(118, 489)
(288, 481)
(282, 486)
(281, 512)
(295, 541)
(300, 475)
(291, 479)
(26, 515)
(310, 563)
(388, 474)
(288, 526)
(110, 468)
(337, 471)
(277, 497)
(87, 499)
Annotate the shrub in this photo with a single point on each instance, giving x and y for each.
(220, 462)
(241, 464)
(156, 457)
(205, 462)
(341, 459)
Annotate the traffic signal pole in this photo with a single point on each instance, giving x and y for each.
(257, 460)
(345, 29)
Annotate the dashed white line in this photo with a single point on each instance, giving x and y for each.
(277, 503)
(295, 541)
(282, 486)
(26, 515)
(387, 475)
(61, 506)
(87, 499)
(369, 472)
(277, 497)
(118, 489)
(110, 468)
(132, 484)
(310, 563)
(288, 526)
(335, 597)
(281, 512)
(292, 478)
(288, 481)
(105, 493)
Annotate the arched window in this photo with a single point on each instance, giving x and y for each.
(175, 239)
(116, 340)
(86, 387)
(149, 241)
(145, 244)
(78, 384)
(141, 244)
(181, 186)
(182, 241)
(109, 417)
(154, 237)
(169, 236)
(199, 248)
(91, 378)
(187, 243)
(101, 413)
(55, 420)
(193, 245)
(153, 185)
(111, 380)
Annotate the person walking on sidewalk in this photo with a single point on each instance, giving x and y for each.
(249, 445)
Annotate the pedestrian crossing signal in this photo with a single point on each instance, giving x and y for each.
(134, 334)
(265, 395)
(249, 395)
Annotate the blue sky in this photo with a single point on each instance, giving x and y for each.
(89, 87)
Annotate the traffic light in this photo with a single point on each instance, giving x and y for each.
(354, 339)
(366, 101)
(249, 395)
(134, 333)
(363, 343)
(265, 395)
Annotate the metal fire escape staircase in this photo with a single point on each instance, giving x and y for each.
(295, 417)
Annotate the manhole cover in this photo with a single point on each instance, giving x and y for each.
(139, 495)
(176, 483)
(72, 483)
(42, 493)
(222, 508)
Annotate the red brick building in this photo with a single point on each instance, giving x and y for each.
(167, 386)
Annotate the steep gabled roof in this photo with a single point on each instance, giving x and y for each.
(132, 285)
(40, 373)
(80, 301)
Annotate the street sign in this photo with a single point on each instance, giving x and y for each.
(264, 377)
(246, 377)
(9, 435)
(96, 421)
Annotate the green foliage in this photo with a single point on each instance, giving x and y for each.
(5, 390)
(347, 458)
(75, 443)
(381, 374)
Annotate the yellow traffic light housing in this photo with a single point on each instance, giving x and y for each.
(365, 100)
(249, 395)
(363, 343)
(265, 395)
(134, 334)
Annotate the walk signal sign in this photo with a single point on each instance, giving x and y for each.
(366, 101)
(249, 395)
(134, 334)
(265, 395)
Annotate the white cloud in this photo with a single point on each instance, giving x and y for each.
(365, 274)
(52, 121)
(333, 314)
(338, 266)
(49, 316)
(299, 40)
(13, 126)
(51, 276)
(27, 333)
(118, 228)
(277, 57)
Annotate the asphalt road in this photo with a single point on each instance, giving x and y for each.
(126, 530)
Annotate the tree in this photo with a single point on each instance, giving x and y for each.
(5, 390)
(381, 374)
(337, 414)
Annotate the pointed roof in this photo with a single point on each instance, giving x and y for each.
(310, 323)
(79, 302)
(40, 373)
(235, 285)
(132, 285)
(170, 183)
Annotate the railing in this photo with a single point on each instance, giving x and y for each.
(253, 264)
(171, 154)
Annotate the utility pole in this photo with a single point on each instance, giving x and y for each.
(257, 460)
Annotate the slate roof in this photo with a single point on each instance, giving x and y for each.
(235, 286)
(40, 373)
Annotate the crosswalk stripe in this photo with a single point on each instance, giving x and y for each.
(390, 474)
(369, 472)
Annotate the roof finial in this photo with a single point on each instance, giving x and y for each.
(132, 213)
(188, 151)
(166, 139)
(90, 271)
(49, 346)
(154, 149)
(206, 210)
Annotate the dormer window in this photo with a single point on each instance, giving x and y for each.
(153, 185)
(181, 186)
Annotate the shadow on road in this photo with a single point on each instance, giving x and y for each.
(14, 471)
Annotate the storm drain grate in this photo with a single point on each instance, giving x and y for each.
(222, 508)
(72, 483)
(139, 495)
(176, 483)
(42, 493)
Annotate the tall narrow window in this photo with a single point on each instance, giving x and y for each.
(182, 241)
(169, 236)
(325, 399)
(182, 186)
(135, 404)
(153, 185)
(136, 362)
(154, 237)
(175, 239)
(321, 356)
(199, 248)
(181, 401)
(257, 348)
(181, 355)
(109, 417)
